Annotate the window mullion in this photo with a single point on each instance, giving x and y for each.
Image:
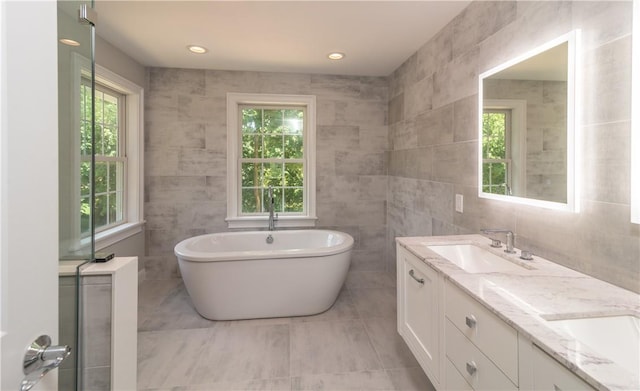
(103, 158)
(270, 160)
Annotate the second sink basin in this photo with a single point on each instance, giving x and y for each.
(474, 259)
(615, 337)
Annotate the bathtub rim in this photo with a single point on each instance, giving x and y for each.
(184, 254)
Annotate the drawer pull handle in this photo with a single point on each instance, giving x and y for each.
(556, 388)
(471, 368)
(470, 321)
(420, 280)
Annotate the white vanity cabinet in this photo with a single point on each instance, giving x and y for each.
(468, 332)
(421, 313)
(482, 348)
(550, 375)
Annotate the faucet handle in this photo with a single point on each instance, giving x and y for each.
(526, 255)
(496, 243)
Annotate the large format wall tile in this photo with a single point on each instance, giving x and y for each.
(185, 156)
(479, 21)
(420, 123)
(435, 126)
(607, 69)
(599, 240)
(436, 53)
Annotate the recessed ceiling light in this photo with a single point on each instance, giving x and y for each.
(69, 42)
(335, 56)
(197, 49)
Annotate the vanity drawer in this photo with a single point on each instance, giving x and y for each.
(476, 369)
(548, 374)
(454, 380)
(496, 339)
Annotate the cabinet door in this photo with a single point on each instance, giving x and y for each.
(420, 312)
(548, 374)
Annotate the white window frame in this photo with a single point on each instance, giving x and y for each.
(122, 154)
(234, 218)
(134, 151)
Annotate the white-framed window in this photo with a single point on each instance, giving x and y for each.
(119, 155)
(110, 158)
(270, 143)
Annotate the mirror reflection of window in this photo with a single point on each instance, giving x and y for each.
(504, 143)
(496, 151)
(543, 130)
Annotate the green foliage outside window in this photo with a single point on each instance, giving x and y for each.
(494, 152)
(272, 153)
(108, 173)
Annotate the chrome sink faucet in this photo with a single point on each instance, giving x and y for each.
(496, 243)
(272, 203)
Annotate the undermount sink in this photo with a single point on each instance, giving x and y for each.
(614, 337)
(474, 259)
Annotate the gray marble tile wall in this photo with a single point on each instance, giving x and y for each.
(185, 157)
(432, 135)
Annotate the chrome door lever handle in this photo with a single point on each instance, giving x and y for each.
(39, 359)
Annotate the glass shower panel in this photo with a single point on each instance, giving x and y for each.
(75, 140)
(75, 103)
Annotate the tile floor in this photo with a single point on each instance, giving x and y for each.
(352, 346)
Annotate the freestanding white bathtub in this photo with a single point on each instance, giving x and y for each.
(239, 275)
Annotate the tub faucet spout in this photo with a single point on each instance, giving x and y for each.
(272, 203)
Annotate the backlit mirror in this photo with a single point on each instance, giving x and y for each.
(527, 128)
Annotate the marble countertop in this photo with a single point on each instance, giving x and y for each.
(541, 291)
(109, 267)
(69, 268)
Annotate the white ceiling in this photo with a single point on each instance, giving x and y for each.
(275, 36)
